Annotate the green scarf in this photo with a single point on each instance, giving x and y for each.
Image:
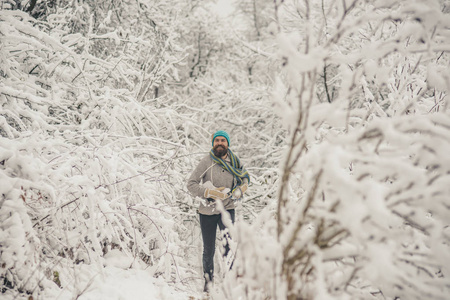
(234, 167)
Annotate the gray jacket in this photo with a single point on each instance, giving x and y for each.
(208, 170)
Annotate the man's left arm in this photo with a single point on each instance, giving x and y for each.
(244, 185)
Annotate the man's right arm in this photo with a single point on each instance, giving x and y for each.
(193, 184)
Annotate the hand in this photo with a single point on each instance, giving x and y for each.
(239, 191)
(244, 187)
(215, 194)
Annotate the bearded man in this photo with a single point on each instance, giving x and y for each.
(219, 176)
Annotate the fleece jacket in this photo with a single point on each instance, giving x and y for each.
(208, 170)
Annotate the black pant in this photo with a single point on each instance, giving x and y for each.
(208, 225)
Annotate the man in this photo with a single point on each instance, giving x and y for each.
(219, 176)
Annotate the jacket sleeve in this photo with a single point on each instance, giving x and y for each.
(193, 184)
(245, 180)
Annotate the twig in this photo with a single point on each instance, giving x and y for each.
(151, 220)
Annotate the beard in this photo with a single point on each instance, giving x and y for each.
(219, 151)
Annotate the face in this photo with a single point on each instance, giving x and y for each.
(220, 146)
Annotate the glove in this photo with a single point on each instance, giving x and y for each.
(215, 194)
(244, 187)
(239, 191)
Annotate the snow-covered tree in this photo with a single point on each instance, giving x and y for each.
(362, 208)
(88, 146)
(102, 123)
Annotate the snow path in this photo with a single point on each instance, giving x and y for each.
(116, 281)
(114, 284)
(120, 284)
(130, 284)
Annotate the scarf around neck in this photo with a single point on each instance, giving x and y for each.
(234, 167)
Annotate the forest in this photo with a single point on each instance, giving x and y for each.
(339, 110)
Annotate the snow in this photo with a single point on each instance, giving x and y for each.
(114, 283)
(223, 7)
(340, 113)
(130, 284)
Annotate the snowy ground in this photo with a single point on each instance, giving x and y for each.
(129, 284)
(116, 282)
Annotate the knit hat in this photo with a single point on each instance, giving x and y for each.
(221, 133)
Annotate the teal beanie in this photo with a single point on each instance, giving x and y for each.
(221, 133)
